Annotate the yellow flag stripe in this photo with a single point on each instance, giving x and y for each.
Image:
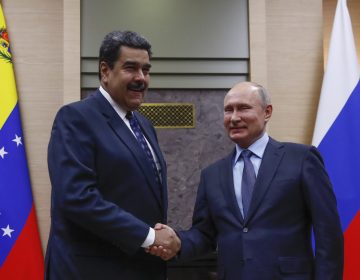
(8, 94)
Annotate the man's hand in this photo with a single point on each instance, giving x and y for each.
(167, 244)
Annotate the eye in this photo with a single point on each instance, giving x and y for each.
(244, 107)
(228, 110)
(146, 70)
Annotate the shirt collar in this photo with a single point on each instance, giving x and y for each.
(257, 148)
(121, 112)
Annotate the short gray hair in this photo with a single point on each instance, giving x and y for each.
(263, 93)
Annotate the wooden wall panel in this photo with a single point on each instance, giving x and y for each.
(71, 53)
(295, 67)
(292, 63)
(258, 42)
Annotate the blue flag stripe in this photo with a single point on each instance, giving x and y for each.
(341, 151)
(15, 190)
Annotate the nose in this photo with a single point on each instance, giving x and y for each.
(235, 117)
(140, 75)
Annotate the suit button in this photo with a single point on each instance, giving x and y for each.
(245, 229)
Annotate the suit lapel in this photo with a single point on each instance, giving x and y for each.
(229, 189)
(269, 164)
(128, 139)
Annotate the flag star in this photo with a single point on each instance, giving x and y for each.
(17, 140)
(3, 152)
(7, 231)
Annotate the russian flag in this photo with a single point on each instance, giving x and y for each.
(337, 132)
(21, 255)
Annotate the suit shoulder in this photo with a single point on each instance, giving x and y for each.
(87, 102)
(84, 106)
(289, 146)
(300, 150)
(295, 146)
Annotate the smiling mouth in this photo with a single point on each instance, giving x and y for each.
(136, 87)
(237, 129)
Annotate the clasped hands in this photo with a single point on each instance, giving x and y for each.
(167, 244)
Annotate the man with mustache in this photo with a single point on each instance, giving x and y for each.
(259, 205)
(108, 175)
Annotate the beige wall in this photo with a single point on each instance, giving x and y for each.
(288, 38)
(286, 55)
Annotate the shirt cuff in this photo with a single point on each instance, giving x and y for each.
(150, 239)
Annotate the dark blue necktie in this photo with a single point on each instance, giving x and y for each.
(135, 127)
(248, 180)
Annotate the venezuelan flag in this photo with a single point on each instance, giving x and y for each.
(337, 132)
(20, 248)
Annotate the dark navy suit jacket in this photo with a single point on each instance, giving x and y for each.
(292, 195)
(104, 196)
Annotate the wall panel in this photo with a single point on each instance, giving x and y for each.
(286, 56)
(195, 38)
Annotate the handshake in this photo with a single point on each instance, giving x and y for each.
(166, 245)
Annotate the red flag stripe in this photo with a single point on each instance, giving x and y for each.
(25, 261)
(352, 249)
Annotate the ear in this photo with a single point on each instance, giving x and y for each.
(104, 71)
(268, 112)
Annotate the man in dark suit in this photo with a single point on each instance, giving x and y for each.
(259, 204)
(108, 175)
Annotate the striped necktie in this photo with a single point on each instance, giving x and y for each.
(135, 127)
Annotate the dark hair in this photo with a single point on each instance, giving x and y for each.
(111, 45)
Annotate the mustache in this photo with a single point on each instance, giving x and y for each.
(136, 86)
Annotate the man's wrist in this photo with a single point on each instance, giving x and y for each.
(150, 238)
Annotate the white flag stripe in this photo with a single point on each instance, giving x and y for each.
(342, 73)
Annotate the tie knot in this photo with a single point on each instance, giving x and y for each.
(129, 115)
(246, 154)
